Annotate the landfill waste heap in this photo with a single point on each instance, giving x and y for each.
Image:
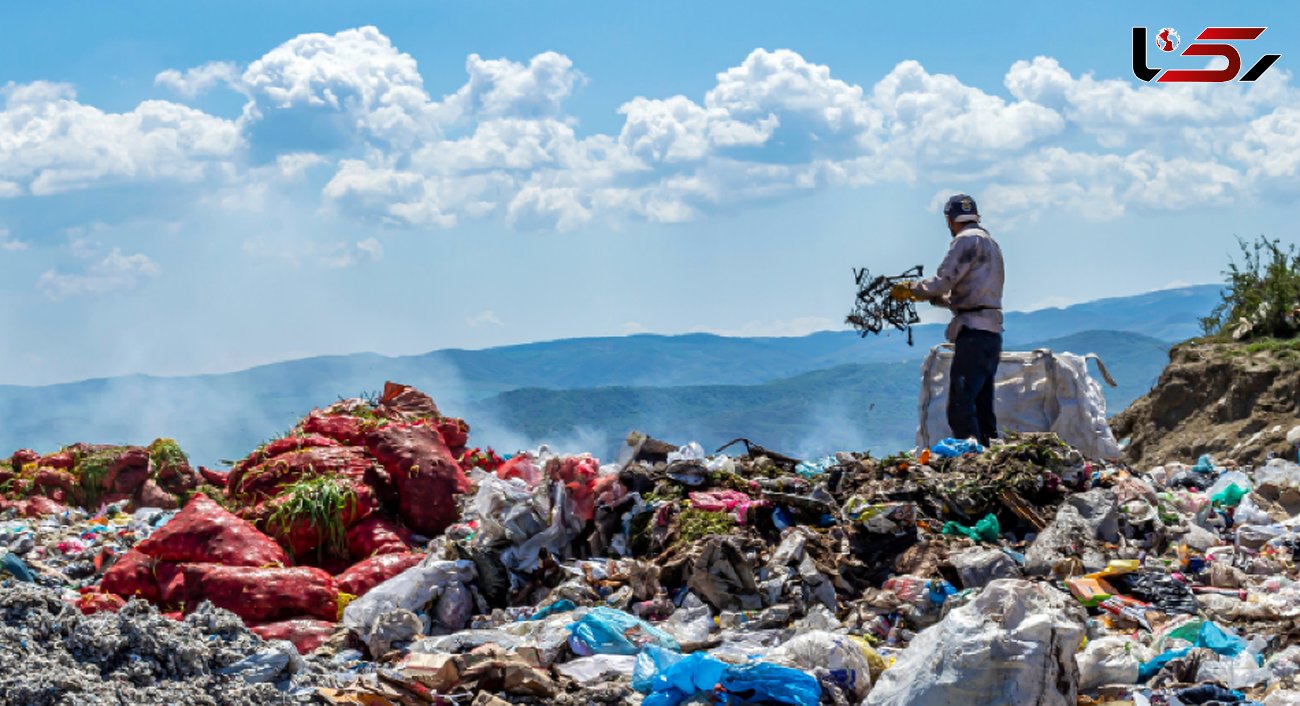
(370, 556)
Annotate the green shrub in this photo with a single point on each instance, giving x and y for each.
(1262, 298)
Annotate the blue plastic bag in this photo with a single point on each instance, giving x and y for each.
(15, 566)
(950, 447)
(563, 605)
(1204, 464)
(668, 679)
(613, 632)
(1210, 636)
(1213, 637)
(764, 681)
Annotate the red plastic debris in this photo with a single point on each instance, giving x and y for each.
(578, 473)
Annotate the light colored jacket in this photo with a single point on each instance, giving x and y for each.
(969, 282)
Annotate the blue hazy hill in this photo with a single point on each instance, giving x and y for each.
(225, 415)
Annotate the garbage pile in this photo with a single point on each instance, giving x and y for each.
(408, 568)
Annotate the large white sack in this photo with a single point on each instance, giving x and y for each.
(1034, 391)
(1107, 660)
(1013, 644)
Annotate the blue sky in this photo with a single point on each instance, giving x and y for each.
(207, 186)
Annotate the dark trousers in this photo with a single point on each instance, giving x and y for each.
(970, 387)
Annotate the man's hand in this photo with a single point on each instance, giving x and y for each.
(902, 292)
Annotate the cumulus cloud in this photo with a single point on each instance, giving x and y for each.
(352, 110)
(192, 82)
(112, 273)
(52, 143)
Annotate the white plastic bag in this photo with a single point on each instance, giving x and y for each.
(414, 590)
(1014, 643)
(838, 653)
(1035, 391)
(691, 623)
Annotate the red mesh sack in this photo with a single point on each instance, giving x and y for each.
(215, 478)
(306, 634)
(38, 506)
(455, 434)
(368, 573)
(149, 494)
(405, 402)
(277, 447)
(50, 479)
(266, 480)
(129, 471)
(203, 531)
(263, 595)
(303, 537)
(62, 459)
(377, 535)
(425, 473)
(132, 575)
(343, 428)
(22, 457)
(171, 583)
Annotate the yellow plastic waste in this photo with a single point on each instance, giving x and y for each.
(1116, 567)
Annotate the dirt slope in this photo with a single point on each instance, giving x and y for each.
(1231, 400)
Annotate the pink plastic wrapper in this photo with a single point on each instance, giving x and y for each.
(724, 501)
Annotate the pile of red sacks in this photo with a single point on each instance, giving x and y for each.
(396, 464)
(92, 475)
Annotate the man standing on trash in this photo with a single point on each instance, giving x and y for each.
(969, 283)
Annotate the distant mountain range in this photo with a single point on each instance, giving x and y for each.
(809, 394)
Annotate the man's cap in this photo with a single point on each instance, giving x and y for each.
(960, 205)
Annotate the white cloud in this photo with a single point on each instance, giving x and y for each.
(368, 250)
(51, 143)
(357, 73)
(484, 318)
(353, 107)
(112, 273)
(936, 119)
(503, 88)
(199, 79)
(9, 243)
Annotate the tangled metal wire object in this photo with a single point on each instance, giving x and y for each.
(873, 309)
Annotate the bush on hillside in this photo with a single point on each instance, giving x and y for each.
(1262, 298)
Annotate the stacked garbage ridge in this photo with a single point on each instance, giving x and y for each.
(371, 556)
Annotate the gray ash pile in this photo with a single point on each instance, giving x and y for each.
(52, 654)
